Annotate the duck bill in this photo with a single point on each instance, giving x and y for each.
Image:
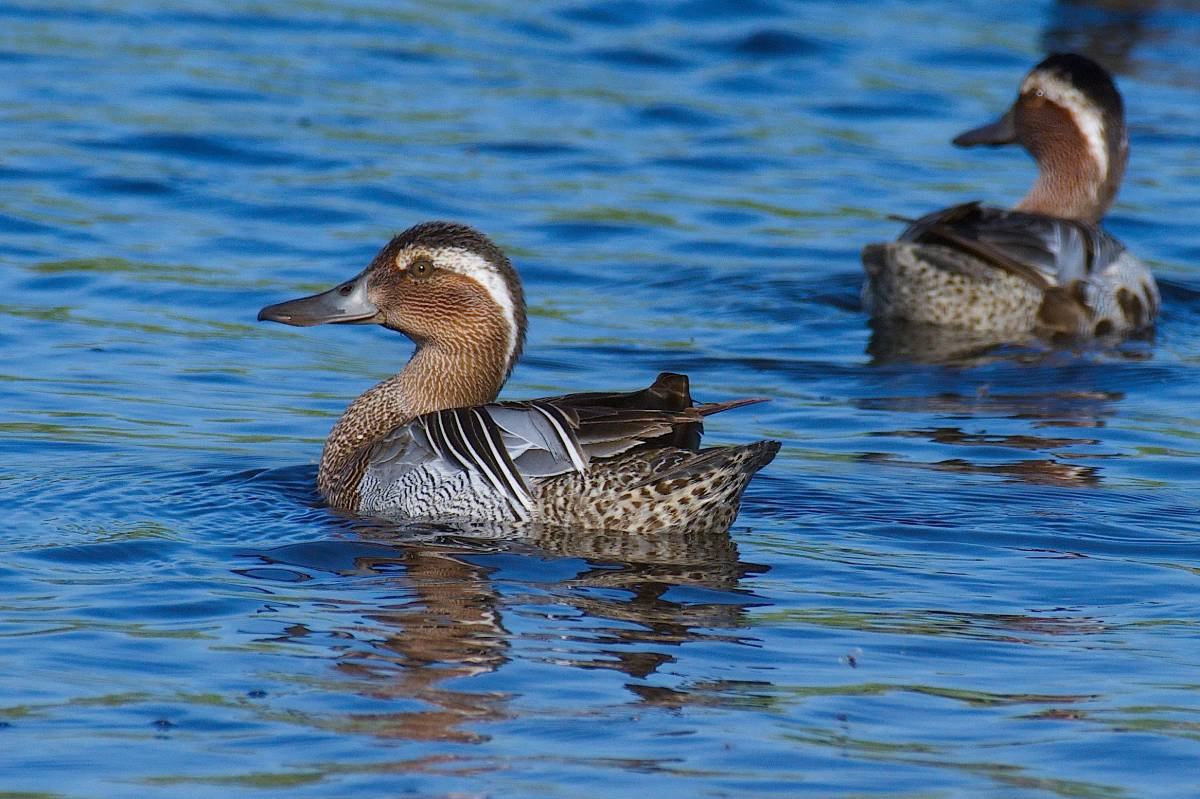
(1002, 131)
(346, 304)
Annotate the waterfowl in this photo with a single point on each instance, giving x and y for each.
(1046, 266)
(432, 444)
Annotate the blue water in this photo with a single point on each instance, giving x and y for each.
(978, 578)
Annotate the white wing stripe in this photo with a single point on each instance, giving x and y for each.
(464, 461)
(516, 485)
(489, 470)
(474, 460)
(567, 440)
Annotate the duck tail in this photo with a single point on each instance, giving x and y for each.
(704, 491)
(709, 408)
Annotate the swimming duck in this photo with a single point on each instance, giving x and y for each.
(432, 444)
(1046, 266)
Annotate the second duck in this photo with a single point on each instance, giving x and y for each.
(1046, 266)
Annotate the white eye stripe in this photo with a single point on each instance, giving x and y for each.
(1087, 116)
(404, 261)
(476, 267)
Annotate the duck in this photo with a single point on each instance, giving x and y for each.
(1046, 266)
(432, 443)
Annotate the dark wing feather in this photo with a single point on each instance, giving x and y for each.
(466, 439)
(538, 437)
(446, 439)
(555, 435)
(598, 425)
(1045, 250)
(663, 415)
(492, 456)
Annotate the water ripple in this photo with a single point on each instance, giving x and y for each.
(970, 571)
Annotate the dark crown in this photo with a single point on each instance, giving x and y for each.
(1087, 76)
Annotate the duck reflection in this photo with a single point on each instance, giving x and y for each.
(955, 435)
(1038, 471)
(449, 630)
(443, 624)
(447, 620)
(670, 557)
(1066, 408)
(1060, 409)
(899, 341)
(646, 571)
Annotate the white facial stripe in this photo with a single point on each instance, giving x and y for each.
(1087, 116)
(474, 266)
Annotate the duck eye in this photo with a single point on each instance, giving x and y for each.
(1040, 93)
(421, 266)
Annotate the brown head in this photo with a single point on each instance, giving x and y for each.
(1070, 117)
(447, 287)
(455, 294)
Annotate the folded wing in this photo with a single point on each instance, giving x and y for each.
(507, 445)
(1045, 250)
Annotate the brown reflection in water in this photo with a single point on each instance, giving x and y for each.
(451, 629)
(1057, 408)
(447, 623)
(670, 557)
(647, 569)
(955, 435)
(1042, 471)
(1014, 627)
(717, 693)
(1045, 471)
(1076, 409)
(899, 341)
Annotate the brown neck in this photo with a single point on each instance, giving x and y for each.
(439, 375)
(1070, 192)
(1070, 186)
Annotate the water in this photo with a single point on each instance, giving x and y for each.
(974, 579)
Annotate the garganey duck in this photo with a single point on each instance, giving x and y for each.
(432, 444)
(1046, 266)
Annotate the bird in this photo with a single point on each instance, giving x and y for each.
(1047, 266)
(431, 443)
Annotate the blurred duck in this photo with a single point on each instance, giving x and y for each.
(431, 444)
(1046, 266)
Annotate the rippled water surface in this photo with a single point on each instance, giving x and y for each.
(975, 578)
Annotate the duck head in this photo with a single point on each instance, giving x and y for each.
(446, 286)
(1070, 117)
